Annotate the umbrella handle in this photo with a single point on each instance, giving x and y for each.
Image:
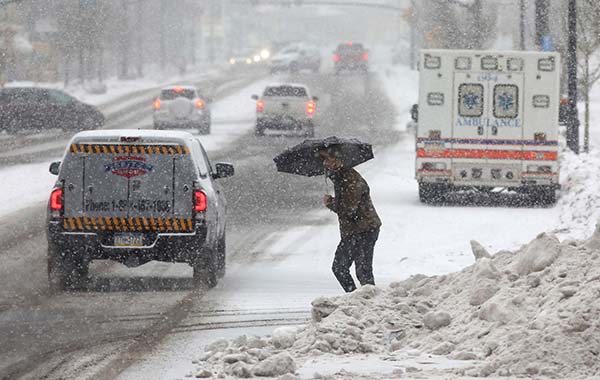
(326, 185)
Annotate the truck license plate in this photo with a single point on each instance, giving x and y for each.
(129, 240)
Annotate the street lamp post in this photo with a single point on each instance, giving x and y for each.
(573, 117)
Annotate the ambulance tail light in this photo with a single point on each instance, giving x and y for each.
(57, 204)
(544, 169)
(200, 201)
(433, 166)
(435, 134)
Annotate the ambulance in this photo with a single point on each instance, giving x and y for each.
(488, 120)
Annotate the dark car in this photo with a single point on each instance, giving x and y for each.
(351, 56)
(39, 109)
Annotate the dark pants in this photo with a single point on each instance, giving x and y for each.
(357, 249)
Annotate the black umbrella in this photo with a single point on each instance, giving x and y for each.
(304, 159)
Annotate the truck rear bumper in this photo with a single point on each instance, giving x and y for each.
(168, 247)
(283, 123)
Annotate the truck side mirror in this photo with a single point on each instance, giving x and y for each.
(414, 112)
(55, 167)
(254, 97)
(223, 170)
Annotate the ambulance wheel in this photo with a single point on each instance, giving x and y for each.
(431, 192)
(544, 196)
(205, 271)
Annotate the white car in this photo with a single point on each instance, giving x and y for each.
(286, 107)
(182, 107)
(295, 58)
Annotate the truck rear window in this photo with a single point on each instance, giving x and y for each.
(177, 93)
(470, 100)
(285, 91)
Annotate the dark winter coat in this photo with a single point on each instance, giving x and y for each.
(352, 203)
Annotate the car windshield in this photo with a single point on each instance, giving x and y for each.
(285, 91)
(174, 93)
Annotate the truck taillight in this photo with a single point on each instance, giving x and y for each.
(260, 106)
(157, 104)
(56, 200)
(336, 58)
(200, 202)
(199, 104)
(365, 56)
(310, 108)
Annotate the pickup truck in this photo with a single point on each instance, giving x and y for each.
(286, 107)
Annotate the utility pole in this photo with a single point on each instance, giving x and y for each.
(522, 24)
(542, 34)
(477, 9)
(413, 34)
(162, 36)
(573, 117)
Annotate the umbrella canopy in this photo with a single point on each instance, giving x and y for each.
(303, 159)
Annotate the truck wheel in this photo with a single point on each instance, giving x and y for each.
(205, 271)
(57, 273)
(204, 128)
(431, 193)
(259, 129)
(221, 257)
(310, 130)
(66, 271)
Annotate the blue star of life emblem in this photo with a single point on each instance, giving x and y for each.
(471, 100)
(506, 101)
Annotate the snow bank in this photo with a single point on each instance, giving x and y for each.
(529, 312)
(580, 198)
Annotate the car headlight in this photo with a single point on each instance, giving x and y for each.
(232, 61)
(264, 54)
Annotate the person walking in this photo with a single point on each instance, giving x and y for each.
(358, 221)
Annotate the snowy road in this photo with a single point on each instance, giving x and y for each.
(280, 244)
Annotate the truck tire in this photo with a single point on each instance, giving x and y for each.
(310, 130)
(431, 193)
(221, 257)
(259, 130)
(66, 271)
(204, 128)
(57, 273)
(205, 271)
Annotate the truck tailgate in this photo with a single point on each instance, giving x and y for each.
(127, 188)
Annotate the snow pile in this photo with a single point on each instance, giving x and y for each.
(530, 312)
(580, 198)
